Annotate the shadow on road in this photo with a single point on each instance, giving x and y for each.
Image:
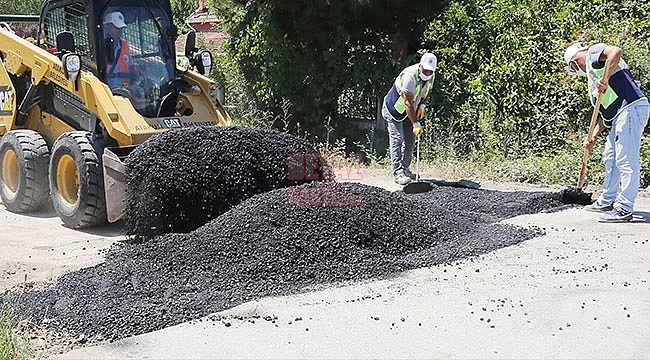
(47, 212)
(641, 217)
(108, 230)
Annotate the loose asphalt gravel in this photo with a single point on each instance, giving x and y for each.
(181, 179)
(275, 243)
(231, 229)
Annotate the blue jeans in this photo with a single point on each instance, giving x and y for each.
(401, 141)
(622, 157)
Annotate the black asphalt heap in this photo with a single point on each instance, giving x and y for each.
(280, 242)
(181, 179)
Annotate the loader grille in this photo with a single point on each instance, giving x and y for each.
(71, 109)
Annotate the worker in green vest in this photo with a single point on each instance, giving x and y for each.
(403, 108)
(624, 111)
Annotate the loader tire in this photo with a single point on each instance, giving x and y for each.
(24, 158)
(76, 179)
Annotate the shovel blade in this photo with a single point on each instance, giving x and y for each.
(417, 187)
(575, 196)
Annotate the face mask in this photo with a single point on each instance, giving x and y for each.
(581, 73)
(574, 69)
(425, 77)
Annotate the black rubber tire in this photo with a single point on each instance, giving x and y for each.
(79, 202)
(24, 188)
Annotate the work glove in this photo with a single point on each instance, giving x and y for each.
(420, 112)
(417, 128)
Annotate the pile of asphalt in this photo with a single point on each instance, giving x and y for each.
(180, 179)
(277, 243)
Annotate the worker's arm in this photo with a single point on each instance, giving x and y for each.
(411, 111)
(409, 103)
(613, 54)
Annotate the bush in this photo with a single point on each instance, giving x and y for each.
(503, 91)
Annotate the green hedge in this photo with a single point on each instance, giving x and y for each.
(501, 94)
(502, 90)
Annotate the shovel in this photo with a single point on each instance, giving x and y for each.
(576, 195)
(417, 186)
(420, 186)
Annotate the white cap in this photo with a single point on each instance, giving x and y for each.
(429, 62)
(571, 51)
(116, 18)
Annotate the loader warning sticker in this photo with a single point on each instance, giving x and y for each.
(6, 101)
(57, 74)
(170, 123)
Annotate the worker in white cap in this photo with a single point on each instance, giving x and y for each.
(403, 108)
(119, 65)
(624, 110)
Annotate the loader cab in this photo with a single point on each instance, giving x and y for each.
(138, 60)
(127, 44)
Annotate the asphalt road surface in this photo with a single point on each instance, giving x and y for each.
(580, 291)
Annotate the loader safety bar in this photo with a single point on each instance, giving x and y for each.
(19, 18)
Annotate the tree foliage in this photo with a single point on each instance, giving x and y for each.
(501, 88)
(24, 7)
(181, 10)
(312, 52)
(28, 7)
(503, 84)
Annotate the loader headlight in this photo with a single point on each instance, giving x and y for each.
(71, 65)
(203, 62)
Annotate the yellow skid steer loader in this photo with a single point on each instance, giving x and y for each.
(98, 80)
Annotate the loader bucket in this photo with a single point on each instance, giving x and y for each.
(114, 182)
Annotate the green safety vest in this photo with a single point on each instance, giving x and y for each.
(395, 101)
(592, 74)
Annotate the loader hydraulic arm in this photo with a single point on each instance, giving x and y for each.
(21, 55)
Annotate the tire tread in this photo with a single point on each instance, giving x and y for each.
(94, 209)
(36, 155)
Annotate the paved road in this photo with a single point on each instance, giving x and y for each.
(38, 248)
(580, 291)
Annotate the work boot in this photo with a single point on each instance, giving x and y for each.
(598, 207)
(616, 216)
(402, 179)
(409, 174)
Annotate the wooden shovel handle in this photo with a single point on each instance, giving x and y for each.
(592, 125)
